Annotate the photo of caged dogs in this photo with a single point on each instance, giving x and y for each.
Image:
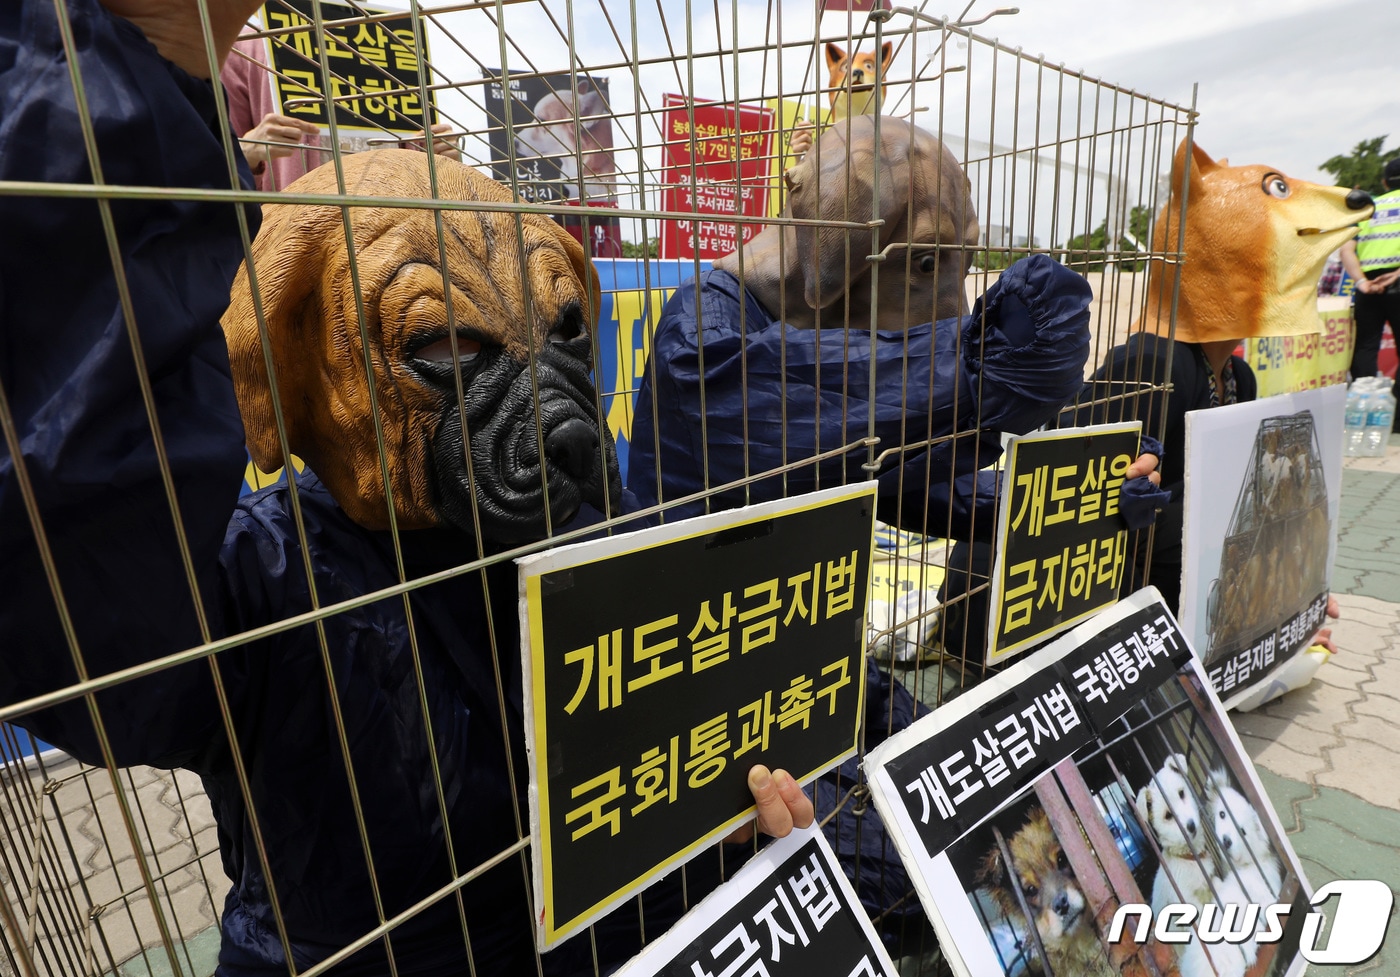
(1160, 813)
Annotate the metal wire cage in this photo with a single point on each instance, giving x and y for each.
(120, 868)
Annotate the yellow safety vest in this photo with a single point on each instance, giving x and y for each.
(1378, 239)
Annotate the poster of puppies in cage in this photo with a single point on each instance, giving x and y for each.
(558, 129)
(1090, 812)
(1263, 484)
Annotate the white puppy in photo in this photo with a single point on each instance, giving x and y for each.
(1239, 831)
(1187, 870)
(1168, 804)
(1252, 872)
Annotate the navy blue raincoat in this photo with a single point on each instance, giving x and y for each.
(774, 395)
(737, 393)
(132, 590)
(88, 449)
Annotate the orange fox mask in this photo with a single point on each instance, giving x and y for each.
(1255, 245)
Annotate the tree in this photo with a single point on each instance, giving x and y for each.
(1362, 168)
(1090, 252)
(993, 260)
(1086, 252)
(631, 249)
(1140, 226)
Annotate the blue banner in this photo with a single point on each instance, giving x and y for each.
(634, 292)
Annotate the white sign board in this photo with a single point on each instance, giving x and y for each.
(1099, 773)
(1263, 486)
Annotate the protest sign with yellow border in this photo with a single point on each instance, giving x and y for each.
(1061, 545)
(742, 641)
(375, 79)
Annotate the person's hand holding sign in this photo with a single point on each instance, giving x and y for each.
(1141, 496)
(442, 145)
(1144, 465)
(1324, 635)
(781, 804)
(274, 137)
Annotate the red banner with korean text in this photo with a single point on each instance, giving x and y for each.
(717, 166)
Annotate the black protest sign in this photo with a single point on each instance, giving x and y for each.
(1123, 662)
(1231, 672)
(558, 129)
(950, 771)
(1061, 544)
(662, 665)
(376, 68)
(1145, 718)
(789, 913)
(1256, 573)
(955, 778)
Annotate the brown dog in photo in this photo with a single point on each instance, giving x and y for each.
(925, 202)
(1062, 916)
(521, 298)
(852, 73)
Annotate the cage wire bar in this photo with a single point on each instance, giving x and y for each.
(117, 870)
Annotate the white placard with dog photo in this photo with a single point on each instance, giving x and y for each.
(1263, 486)
(1097, 774)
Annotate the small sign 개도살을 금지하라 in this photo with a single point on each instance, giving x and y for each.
(1055, 791)
(376, 68)
(789, 912)
(1061, 545)
(660, 665)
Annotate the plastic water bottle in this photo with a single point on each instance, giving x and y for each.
(1380, 416)
(1355, 420)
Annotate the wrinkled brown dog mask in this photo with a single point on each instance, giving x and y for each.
(925, 202)
(308, 301)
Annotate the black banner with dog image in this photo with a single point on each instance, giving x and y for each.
(1263, 488)
(1153, 805)
(558, 128)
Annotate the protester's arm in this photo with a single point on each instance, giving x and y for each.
(88, 481)
(274, 137)
(446, 148)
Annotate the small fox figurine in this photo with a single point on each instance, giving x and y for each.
(853, 77)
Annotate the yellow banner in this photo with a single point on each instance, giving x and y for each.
(1284, 364)
(254, 478)
(788, 113)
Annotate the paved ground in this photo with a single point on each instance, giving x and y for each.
(1329, 754)
(65, 826)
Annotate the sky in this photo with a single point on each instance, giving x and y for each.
(1288, 83)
